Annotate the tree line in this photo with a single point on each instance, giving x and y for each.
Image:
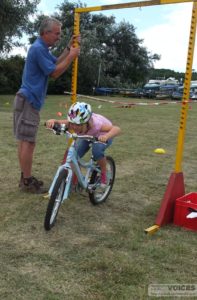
(111, 54)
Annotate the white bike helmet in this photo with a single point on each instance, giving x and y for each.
(79, 113)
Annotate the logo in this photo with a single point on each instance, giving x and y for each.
(175, 290)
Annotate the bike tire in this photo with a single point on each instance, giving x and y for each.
(55, 200)
(97, 195)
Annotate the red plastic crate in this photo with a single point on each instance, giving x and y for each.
(183, 206)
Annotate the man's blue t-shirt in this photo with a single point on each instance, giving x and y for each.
(39, 64)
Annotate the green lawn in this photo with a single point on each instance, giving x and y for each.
(97, 252)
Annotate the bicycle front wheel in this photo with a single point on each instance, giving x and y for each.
(55, 200)
(98, 195)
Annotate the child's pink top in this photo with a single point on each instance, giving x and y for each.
(97, 121)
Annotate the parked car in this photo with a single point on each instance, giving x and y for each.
(178, 94)
(193, 89)
(133, 93)
(105, 91)
(166, 91)
(150, 89)
(194, 96)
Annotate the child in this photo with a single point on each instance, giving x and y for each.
(82, 120)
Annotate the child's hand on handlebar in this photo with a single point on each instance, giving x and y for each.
(102, 138)
(50, 123)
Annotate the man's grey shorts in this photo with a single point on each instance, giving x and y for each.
(26, 119)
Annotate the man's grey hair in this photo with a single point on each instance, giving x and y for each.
(47, 24)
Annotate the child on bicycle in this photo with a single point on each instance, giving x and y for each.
(82, 120)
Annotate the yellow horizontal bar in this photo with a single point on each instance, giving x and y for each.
(88, 9)
(130, 5)
(174, 1)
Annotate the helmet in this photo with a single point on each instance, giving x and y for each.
(79, 113)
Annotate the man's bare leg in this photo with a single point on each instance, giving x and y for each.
(25, 156)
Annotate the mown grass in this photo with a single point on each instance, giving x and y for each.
(97, 252)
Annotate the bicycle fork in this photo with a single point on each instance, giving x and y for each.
(68, 182)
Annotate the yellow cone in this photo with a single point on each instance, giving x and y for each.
(159, 151)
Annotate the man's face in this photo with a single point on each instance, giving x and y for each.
(52, 36)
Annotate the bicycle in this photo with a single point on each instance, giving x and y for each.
(62, 184)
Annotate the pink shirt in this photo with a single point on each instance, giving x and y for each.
(97, 121)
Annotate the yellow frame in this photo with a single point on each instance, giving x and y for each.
(186, 91)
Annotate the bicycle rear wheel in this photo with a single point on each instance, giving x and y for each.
(98, 195)
(55, 200)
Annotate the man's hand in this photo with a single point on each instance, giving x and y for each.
(74, 38)
(74, 52)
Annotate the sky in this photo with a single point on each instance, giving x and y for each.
(164, 29)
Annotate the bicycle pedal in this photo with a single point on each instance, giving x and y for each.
(92, 187)
(46, 196)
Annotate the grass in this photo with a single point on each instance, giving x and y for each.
(97, 252)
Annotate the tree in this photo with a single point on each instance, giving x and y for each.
(111, 54)
(10, 74)
(13, 18)
(125, 56)
(123, 61)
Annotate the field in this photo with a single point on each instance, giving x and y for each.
(101, 252)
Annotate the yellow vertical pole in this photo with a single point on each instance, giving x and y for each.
(186, 91)
(75, 62)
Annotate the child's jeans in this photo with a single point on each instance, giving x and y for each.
(98, 149)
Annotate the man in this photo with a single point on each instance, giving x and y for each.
(39, 65)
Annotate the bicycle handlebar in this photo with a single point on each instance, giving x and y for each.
(84, 137)
(60, 129)
(57, 128)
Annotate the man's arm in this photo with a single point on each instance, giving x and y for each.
(63, 55)
(71, 43)
(63, 64)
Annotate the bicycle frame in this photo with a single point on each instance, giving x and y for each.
(90, 181)
(72, 165)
